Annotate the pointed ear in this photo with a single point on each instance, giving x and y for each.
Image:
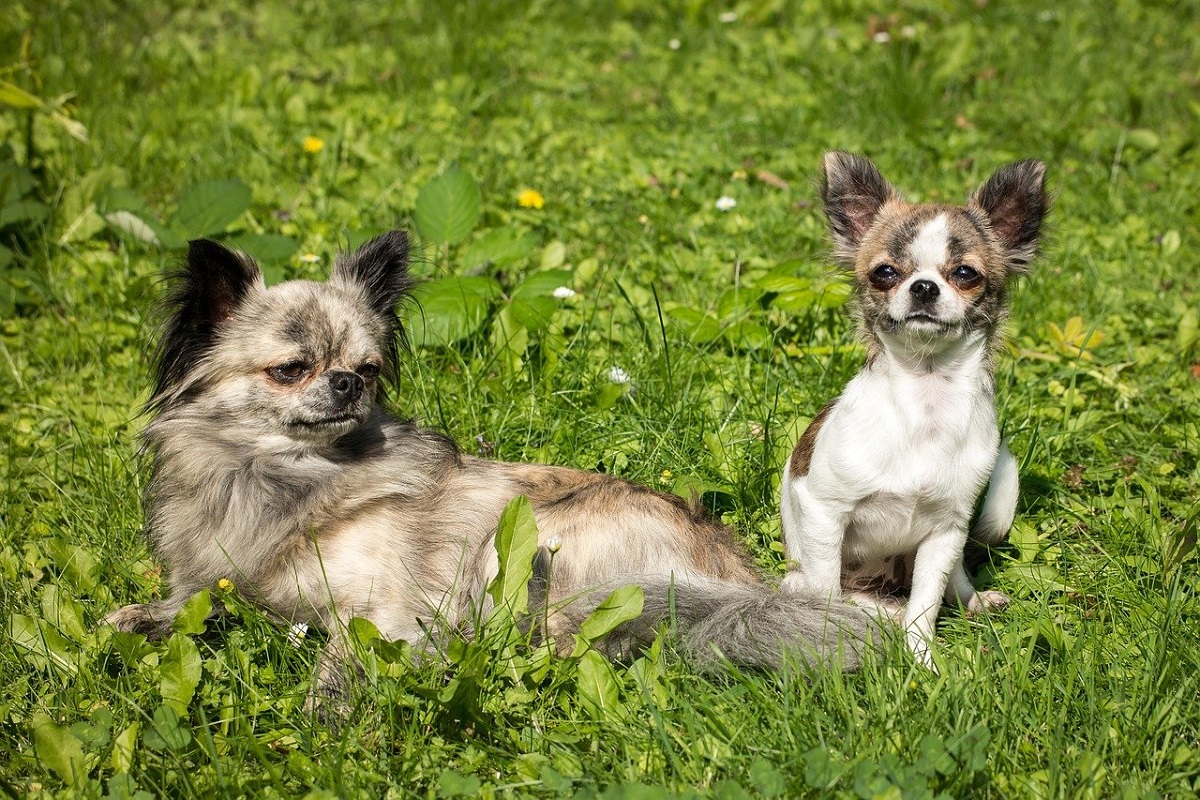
(853, 191)
(380, 269)
(207, 291)
(1014, 200)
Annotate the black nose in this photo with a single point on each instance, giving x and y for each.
(346, 387)
(924, 291)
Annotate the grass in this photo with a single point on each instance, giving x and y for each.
(1089, 685)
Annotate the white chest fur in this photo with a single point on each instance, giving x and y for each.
(901, 458)
(903, 455)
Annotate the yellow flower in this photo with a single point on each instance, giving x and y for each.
(530, 198)
(225, 585)
(666, 476)
(313, 145)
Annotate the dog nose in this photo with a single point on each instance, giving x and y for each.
(924, 291)
(346, 387)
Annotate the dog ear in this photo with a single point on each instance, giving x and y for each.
(853, 191)
(206, 292)
(1015, 201)
(380, 269)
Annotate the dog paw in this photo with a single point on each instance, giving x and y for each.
(143, 618)
(987, 602)
(919, 646)
(794, 583)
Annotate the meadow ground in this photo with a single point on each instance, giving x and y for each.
(295, 128)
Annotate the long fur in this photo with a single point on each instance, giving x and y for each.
(274, 466)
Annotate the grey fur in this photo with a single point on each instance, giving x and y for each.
(321, 506)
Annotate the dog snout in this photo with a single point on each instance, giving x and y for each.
(924, 291)
(346, 387)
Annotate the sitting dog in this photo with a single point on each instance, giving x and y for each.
(274, 466)
(878, 493)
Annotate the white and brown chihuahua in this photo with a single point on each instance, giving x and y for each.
(879, 491)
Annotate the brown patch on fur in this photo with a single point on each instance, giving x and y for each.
(802, 455)
(590, 498)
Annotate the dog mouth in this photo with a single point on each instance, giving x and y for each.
(920, 320)
(335, 421)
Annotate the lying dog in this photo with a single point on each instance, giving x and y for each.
(274, 466)
(878, 493)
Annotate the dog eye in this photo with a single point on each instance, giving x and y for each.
(290, 372)
(965, 276)
(884, 277)
(368, 371)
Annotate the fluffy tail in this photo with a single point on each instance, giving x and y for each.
(747, 624)
(1000, 502)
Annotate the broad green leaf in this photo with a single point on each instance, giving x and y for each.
(206, 209)
(448, 207)
(597, 685)
(23, 211)
(196, 610)
(623, 605)
(498, 248)
(166, 733)
(17, 181)
(516, 545)
(6, 257)
(123, 747)
(179, 672)
(533, 301)
(42, 644)
(795, 301)
(363, 632)
(689, 486)
(59, 750)
(63, 612)
(701, 328)
(836, 294)
(449, 309)
(1188, 331)
(748, 334)
(554, 255)
(451, 784)
(768, 780)
(1171, 242)
(265, 248)
(125, 211)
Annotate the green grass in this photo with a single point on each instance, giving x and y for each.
(1089, 685)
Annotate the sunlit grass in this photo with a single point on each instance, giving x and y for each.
(336, 116)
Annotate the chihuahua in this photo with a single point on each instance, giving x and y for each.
(879, 491)
(274, 465)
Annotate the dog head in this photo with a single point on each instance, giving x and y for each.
(930, 273)
(300, 359)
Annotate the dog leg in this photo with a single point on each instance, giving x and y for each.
(1000, 502)
(961, 590)
(935, 562)
(812, 536)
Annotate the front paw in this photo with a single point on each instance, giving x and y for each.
(796, 582)
(987, 602)
(919, 646)
(143, 618)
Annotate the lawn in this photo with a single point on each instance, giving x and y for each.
(543, 145)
